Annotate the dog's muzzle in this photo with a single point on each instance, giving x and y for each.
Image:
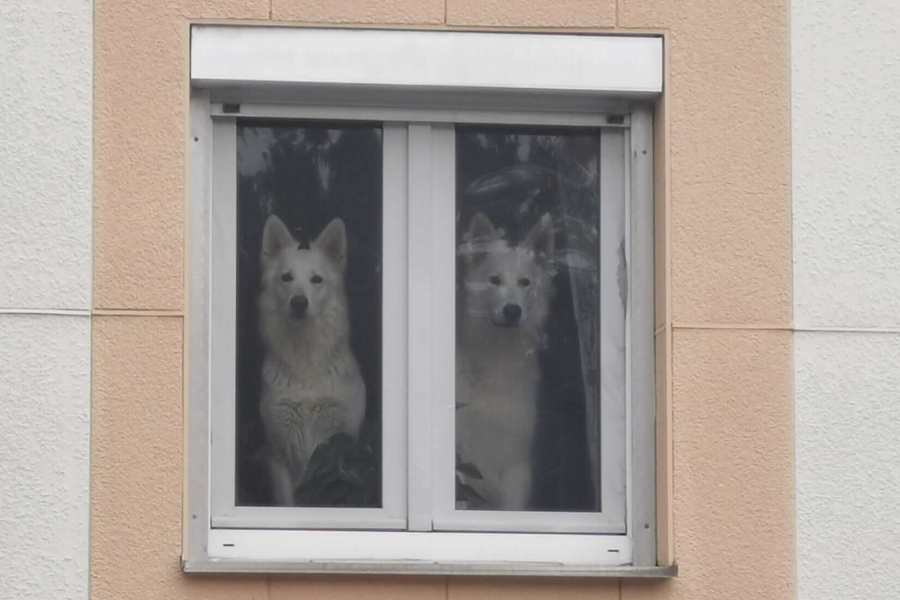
(510, 316)
(299, 306)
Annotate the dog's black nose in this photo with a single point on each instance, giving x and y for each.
(299, 304)
(512, 313)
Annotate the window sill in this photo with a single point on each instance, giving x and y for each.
(428, 568)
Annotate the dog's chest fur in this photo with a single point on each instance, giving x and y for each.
(497, 391)
(309, 396)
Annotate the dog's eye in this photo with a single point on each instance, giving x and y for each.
(495, 279)
(287, 276)
(316, 279)
(524, 281)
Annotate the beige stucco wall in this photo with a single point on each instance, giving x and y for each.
(724, 307)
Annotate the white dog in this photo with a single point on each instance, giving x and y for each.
(311, 383)
(505, 295)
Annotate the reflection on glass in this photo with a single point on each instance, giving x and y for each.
(308, 315)
(527, 319)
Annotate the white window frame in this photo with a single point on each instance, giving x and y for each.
(222, 537)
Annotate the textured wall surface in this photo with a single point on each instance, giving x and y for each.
(45, 258)
(733, 456)
(351, 11)
(846, 157)
(725, 203)
(137, 469)
(45, 153)
(728, 220)
(528, 13)
(846, 121)
(728, 113)
(141, 53)
(44, 422)
(848, 465)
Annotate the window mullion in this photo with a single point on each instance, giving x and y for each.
(419, 347)
(443, 309)
(394, 319)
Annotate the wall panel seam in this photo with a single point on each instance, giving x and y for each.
(876, 330)
(62, 312)
(735, 326)
(137, 312)
(776, 327)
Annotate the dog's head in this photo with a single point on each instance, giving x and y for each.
(301, 283)
(509, 285)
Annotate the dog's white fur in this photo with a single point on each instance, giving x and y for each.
(497, 372)
(311, 382)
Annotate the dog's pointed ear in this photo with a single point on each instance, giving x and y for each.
(481, 229)
(477, 239)
(333, 242)
(541, 239)
(276, 237)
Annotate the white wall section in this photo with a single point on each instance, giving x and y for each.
(846, 199)
(846, 162)
(45, 153)
(45, 268)
(44, 475)
(848, 480)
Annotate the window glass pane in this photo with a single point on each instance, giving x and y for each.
(309, 314)
(528, 299)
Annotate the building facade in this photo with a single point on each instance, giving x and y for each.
(777, 215)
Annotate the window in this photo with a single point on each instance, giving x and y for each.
(421, 320)
(530, 434)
